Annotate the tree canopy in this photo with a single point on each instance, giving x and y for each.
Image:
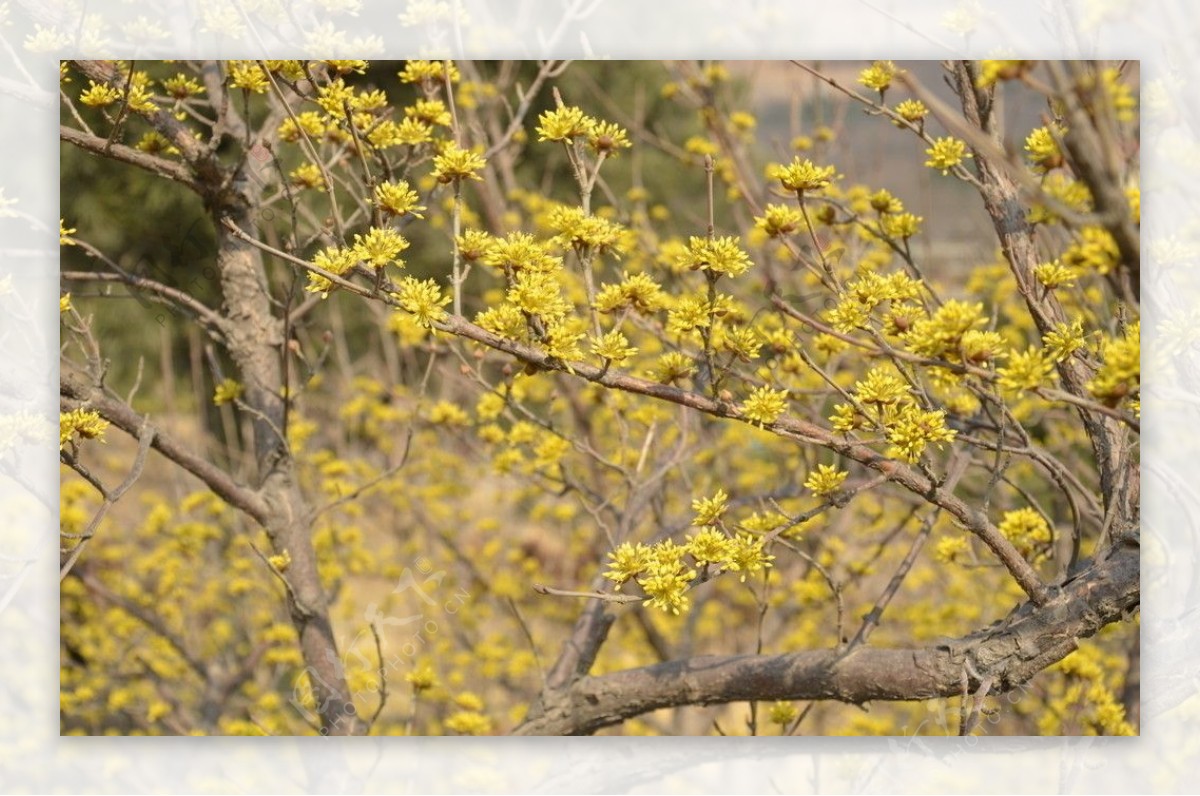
(437, 397)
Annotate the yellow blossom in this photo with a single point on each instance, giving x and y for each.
(564, 124)
(228, 391)
(825, 480)
(455, 164)
(764, 406)
(878, 76)
(946, 153)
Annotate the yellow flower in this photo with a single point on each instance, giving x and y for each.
(608, 138)
(951, 548)
(747, 556)
(397, 199)
(672, 367)
(764, 406)
(469, 722)
(782, 713)
(64, 234)
(564, 124)
(992, 71)
(627, 562)
(825, 480)
(379, 247)
(310, 122)
(248, 76)
(155, 143)
(801, 175)
(1026, 529)
(913, 429)
(1062, 341)
(1120, 375)
(881, 388)
(334, 260)
(710, 510)
(227, 392)
(912, 110)
(1055, 274)
(424, 299)
(82, 423)
(346, 66)
(334, 98)
(1026, 371)
(430, 111)
(1093, 249)
(878, 76)
(900, 225)
(64, 302)
(946, 153)
(709, 546)
(1042, 149)
(613, 347)
(281, 561)
(779, 220)
(97, 95)
(422, 678)
(427, 72)
(182, 87)
(722, 255)
(307, 175)
(456, 163)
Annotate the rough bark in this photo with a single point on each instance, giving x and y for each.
(254, 340)
(1007, 654)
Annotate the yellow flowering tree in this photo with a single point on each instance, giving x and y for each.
(521, 403)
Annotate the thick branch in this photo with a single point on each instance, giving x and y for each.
(1000, 199)
(1008, 653)
(151, 163)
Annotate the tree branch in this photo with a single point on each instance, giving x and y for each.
(1008, 654)
(151, 163)
(76, 393)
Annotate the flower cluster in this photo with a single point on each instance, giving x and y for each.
(1054, 274)
(666, 571)
(613, 347)
(332, 260)
(455, 164)
(779, 220)
(992, 71)
(912, 110)
(941, 334)
(1026, 370)
(1093, 250)
(638, 292)
(228, 391)
(722, 255)
(1026, 529)
(878, 76)
(428, 73)
(887, 401)
(825, 480)
(1120, 373)
(380, 247)
(764, 406)
(80, 423)
(585, 232)
(946, 153)
(1041, 147)
(398, 199)
(801, 176)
